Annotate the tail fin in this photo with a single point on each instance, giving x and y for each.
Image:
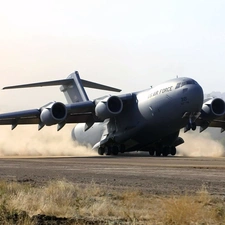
(74, 90)
(72, 87)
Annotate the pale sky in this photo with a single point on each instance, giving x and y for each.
(127, 44)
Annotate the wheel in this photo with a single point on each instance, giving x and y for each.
(151, 152)
(101, 151)
(158, 152)
(188, 126)
(115, 150)
(193, 126)
(173, 151)
(107, 150)
(165, 151)
(122, 148)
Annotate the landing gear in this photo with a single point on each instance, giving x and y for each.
(101, 151)
(115, 150)
(190, 126)
(193, 126)
(158, 152)
(107, 150)
(173, 151)
(152, 152)
(191, 120)
(111, 150)
(164, 151)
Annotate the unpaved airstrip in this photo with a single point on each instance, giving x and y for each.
(157, 175)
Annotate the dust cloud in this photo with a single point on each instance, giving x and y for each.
(200, 144)
(28, 141)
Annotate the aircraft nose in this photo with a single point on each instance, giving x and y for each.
(196, 96)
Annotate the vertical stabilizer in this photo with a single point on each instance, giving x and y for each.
(74, 90)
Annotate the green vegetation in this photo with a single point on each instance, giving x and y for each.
(61, 202)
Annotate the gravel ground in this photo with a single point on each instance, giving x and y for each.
(163, 176)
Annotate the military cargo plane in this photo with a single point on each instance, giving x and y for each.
(148, 120)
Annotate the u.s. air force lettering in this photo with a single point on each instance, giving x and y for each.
(161, 91)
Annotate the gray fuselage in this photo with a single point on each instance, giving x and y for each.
(152, 116)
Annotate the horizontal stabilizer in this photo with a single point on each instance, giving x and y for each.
(68, 81)
(90, 84)
(41, 84)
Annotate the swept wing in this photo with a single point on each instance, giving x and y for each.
(80, 108)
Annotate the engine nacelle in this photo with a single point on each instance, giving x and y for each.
(109, 107)
(53, 113)
(213, 108)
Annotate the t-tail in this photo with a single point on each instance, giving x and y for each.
(72, 87)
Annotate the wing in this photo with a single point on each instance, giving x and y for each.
(73, 113)
(217, 123)
(80, 109)
(59, 113)
(21, 117)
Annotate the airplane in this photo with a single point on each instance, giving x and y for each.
(148, 120)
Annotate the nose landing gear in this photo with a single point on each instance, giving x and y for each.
(191, 123)
(190, 126)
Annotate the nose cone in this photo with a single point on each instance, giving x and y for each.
(196, 97)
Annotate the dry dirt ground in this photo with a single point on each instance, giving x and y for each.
(163, 176)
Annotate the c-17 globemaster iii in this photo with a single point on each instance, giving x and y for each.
(148, 120)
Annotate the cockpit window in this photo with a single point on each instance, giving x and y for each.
(189, 82)
(178, 85)
(185, 82)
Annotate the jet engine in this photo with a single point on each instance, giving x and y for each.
(213, 108)
(109, 107)
(54, 113)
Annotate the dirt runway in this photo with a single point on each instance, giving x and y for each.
(170, 175)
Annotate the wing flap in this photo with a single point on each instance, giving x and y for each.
(80, 107)
(20, 114)
(21, 117)
(80, 118)
(20, 121)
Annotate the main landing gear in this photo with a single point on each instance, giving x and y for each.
(111, 150)
(164, 151)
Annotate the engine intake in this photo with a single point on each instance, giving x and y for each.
(53, 113)
(213, 108)
(109, 107)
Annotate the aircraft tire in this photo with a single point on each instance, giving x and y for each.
(188, 127)
(193, 126)
(115, 150)
(151, 152)
(165, 151)
(173, 151)
(101, 151)
(122, 148)
(107, 150)
(158, 152)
